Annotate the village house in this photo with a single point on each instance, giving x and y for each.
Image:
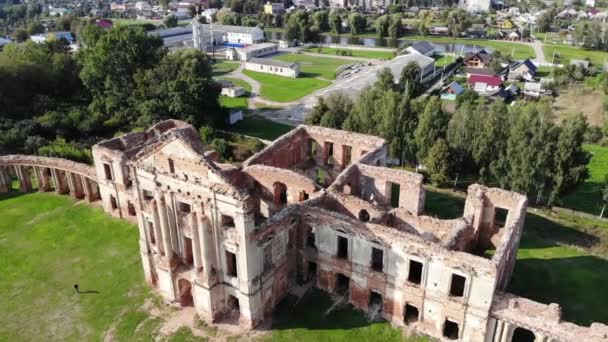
(522, 70)
(452, 91)
(273, 67)
(422, 48)
(251, 51)
(274, 8)
(479, 59)
(483, 84)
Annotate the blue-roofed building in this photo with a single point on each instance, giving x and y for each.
(452, 91)
(522, 70)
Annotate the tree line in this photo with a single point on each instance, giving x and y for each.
(515, 147)
(53, 101)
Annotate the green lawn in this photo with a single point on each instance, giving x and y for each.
(314, 66)
(518, 51)
(259, 127)
(306, 322)
(563, 54)
(222, 68)
(544, 71)
(285, 89)
(587, 197)
(375, 54)
(240, 102)
(47, 244)
(562, 259)
(442, 60)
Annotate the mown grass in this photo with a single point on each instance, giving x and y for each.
(562, 259)
(374, 54)
(564, 54)
(314, 66)
(587, 197)
(236, 103)
(222, 68)
(48, 243)
(260, 127)
(306, 321)
(285, 89)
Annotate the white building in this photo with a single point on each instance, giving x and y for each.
(274, 67)
(202, 33)
(251, 51)
(425, 63)
(143, 6)
(208, 14)
(475, 5)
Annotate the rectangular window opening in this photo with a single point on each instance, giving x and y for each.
(450, 330)
(188, 256)
(231, 264)
(395, 193)
(151, 233)
(415, 274)
(113, 202)
(342, 247)
(227, 221)
(377, 259)
(346, 155)
(108, 171)
(457, 285)
(500, 217)
(171, 165)
(411, 314)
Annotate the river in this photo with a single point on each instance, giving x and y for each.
(377, 42)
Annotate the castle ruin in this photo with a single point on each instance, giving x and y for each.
(316, 205)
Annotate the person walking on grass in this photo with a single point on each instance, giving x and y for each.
(76, 288)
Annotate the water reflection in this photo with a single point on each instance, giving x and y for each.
(377, 42)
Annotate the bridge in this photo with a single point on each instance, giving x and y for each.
(50, 174)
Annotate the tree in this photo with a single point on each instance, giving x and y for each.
(357, 23)
(109, 69)
(458, 21)
(489, 142)
(20, 35)
(321, 20)
(437, 163)
(331, 111)
(381, 25)
(543, 22)
(35, 27)
(385, 81)
(570, 158)
(410, 78)
(227, 17)
(236, 6)
(431, 127)
(335, 21)
(179, 87)
(164, 4)
(252, 6)
(459, 135)
(170, 21)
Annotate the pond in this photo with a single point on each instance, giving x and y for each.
(377, 42)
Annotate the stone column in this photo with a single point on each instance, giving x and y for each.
(506, 333)
(71, 184)
(206, 244)
(164, 225)
(25, 183)
(43, 179)
(157, 231)
(60, 185)
(86, 187)
(5, 180)
(196, 243)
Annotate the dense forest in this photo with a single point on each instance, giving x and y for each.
(54, 102)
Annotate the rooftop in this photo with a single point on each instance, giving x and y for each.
(272, 62)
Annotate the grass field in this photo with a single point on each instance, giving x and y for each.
(558, 260)
(379, 54)
(222, 68)
(587, 197)
(314, 66)
(240, 102)
(48, 244)
(306, 322)
(285, 89)
(563, 54)
(259, 127)
(442, 60)
(518, 51)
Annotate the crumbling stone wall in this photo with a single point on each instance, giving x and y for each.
(204, 243)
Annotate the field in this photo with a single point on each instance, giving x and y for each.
(563, 54)
(222, 68)
(562, 259)
(313, 66)
(518, 51)
(259, 127)
(374, 54)
(48, 244)
(580, 99)
(285, 89)
(587, 197)
(240, 102)
(443, 60)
